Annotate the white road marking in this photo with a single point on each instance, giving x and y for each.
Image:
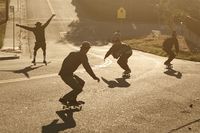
(105, 64)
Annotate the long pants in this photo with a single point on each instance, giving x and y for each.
(123, 61)
(171, 56)
(76, 84)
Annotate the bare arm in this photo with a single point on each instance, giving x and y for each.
(48, 21)
(89, 70)
(25, 27)
(108, 53)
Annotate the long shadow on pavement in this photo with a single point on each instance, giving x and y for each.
(66, 116)
(118, 82)
(172, 72)
(24, 70)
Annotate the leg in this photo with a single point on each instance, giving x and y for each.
(34, 56)
(123, 62)
(75, 85)
(171, 56)
(44, 52)
(80, 81)
(80, 86)
(35, 52)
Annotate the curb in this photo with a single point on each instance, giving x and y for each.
(9, 54)
(11, 57)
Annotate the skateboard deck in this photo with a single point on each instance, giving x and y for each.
(70, 106)
(34, 63)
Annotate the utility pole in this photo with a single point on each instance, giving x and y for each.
(12, 9)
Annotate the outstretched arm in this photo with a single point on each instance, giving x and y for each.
(25, 27)
(48, 21)
(89, 70)
(108, 53)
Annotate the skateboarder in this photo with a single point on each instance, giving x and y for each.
(39, 32)
(122, 51)
(168, 45)
(69, 66)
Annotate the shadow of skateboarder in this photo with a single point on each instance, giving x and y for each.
(55, 127)
(118, 82)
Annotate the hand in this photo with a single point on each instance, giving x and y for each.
(96, 78)
(104, 58)
(53, 15)
(17, 24)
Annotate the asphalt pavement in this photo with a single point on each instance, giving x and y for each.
(153, 100)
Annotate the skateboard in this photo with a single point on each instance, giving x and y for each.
(34, 63)
(128, 75)
(71, 106)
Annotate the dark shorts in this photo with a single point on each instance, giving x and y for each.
(41, 45)
(170, 53)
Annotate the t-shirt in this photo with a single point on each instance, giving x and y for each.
(39, 33)
(73, 61)
(118, 49)
(169, 42)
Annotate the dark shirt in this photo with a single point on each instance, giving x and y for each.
(118, 49)
(169, 43)
(73, 61)
(39, 33)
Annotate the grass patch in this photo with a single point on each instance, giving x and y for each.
(154, 46)
(2, 34)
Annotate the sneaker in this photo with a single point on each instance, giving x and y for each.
(63, 101)
(34, 62)
(74, 102)
(45, 62)
(165, 63)
(127, 72)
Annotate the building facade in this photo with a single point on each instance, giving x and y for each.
(3, 11)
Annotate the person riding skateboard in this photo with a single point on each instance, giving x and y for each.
(168, 45)
(39, 32)
(120, 51)
(69, 66)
